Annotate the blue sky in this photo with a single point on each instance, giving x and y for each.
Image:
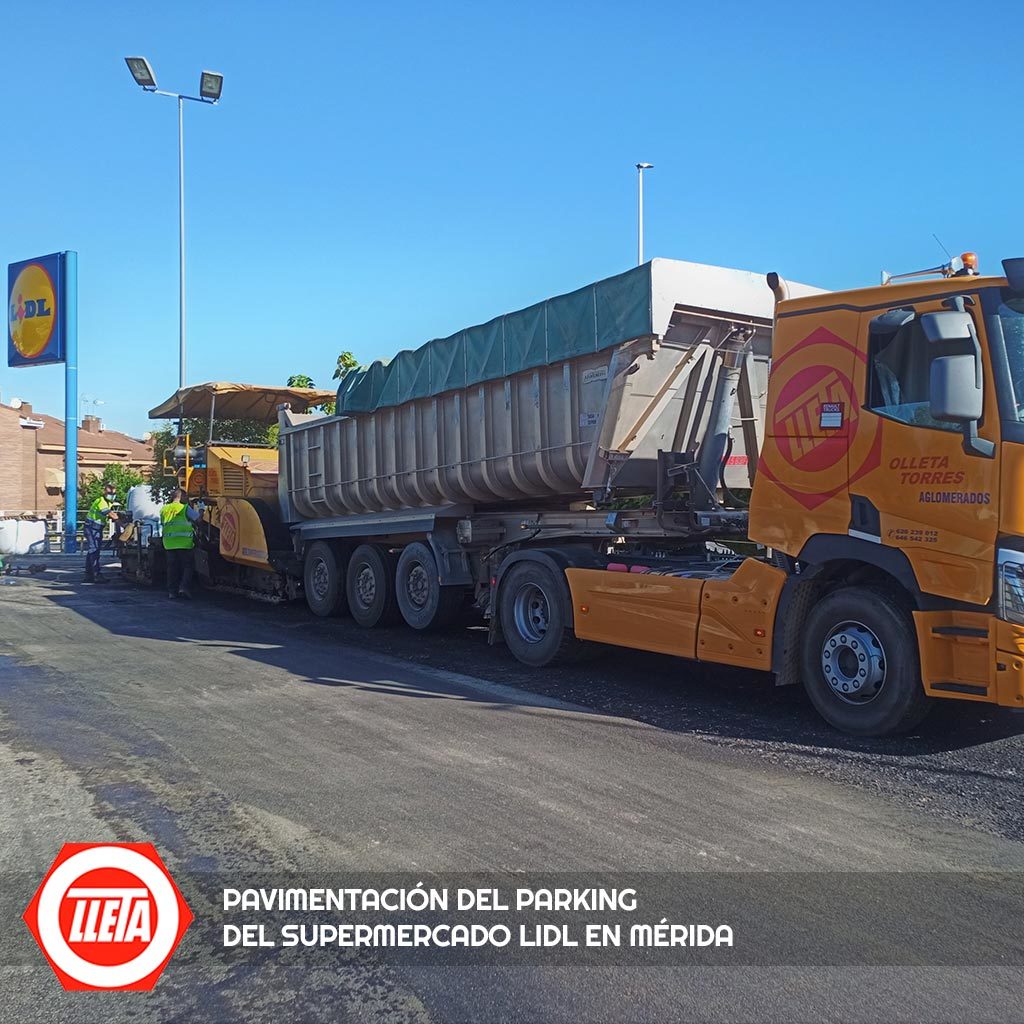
(378, 175)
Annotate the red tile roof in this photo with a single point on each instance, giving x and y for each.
(51, 434)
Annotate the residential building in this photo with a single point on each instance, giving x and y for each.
(32, 457)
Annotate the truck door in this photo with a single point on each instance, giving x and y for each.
(923, 492)
(812, 426)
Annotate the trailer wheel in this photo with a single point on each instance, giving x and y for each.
(370, 586)
(533, 607)
(860, 665)
(322, 580)
(423, 602)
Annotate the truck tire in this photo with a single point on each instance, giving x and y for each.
(322, 580)
(533, 605)
(423, 602)
(370, 586)
(859, 663)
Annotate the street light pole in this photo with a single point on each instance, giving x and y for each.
(640, 168)
(211, 84)
(181, 242)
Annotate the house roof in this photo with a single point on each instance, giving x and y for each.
(92, 443)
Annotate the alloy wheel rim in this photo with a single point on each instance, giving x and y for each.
(853, 663)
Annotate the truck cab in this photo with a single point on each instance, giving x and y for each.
(892, 471)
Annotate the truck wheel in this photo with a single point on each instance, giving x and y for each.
(370, 586)
(533, 607)
(423, 602)
(322, 580)
(860, 665)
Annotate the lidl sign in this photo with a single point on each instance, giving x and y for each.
(35, 317)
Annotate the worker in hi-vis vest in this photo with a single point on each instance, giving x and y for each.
(176, 519)
(96, 518)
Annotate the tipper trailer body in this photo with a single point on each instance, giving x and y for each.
(617, 465)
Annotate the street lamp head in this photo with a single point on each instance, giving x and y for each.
(141, 72)
(211, 83)
(644, 167)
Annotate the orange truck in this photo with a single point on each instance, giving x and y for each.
(890, 495)
(852, 520)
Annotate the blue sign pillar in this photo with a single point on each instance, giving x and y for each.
(69, 287)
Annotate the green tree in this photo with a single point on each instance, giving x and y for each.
(122, 477)
(302, 380)
(160, 483)
(229, 431)
(346, 362)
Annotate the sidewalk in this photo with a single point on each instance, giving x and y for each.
(57, 565)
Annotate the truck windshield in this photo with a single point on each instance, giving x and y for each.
(1011, 316)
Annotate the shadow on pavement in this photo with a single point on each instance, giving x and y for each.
(722, 705)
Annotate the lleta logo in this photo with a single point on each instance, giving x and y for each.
(35, 327)
(818, 428)
(108, 916)
(799, 413)
(230, 536)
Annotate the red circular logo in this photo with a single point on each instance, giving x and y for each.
(796, 424)
(228, 531)
(108, 916)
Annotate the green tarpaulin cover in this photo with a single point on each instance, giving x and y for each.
(594, 318)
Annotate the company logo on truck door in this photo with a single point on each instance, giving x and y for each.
(108, 916)
(30, 309)
(817, 426)
(800, 411)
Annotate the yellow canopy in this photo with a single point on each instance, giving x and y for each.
(237, 401)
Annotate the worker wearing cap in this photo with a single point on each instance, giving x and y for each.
(99, 512)
(176, 519)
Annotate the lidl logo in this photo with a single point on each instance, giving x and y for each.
(33, 317)
(33, 301)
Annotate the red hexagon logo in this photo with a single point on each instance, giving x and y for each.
(108, 916)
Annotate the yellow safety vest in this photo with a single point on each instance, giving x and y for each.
(177, 530)
(98, 509)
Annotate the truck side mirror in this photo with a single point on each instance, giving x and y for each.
(949, 325)
(956, 383)
(955, 395)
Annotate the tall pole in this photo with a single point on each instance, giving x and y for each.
(640, 168)
(211, 84)
(181, 243)
(639, 215)
(69, 282)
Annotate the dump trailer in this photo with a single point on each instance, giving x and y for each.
(616, 466)
(592, 420)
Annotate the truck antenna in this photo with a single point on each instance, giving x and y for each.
(949, 255)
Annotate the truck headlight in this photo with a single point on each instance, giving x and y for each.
(1011, 586)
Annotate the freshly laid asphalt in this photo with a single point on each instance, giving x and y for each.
(246, 739)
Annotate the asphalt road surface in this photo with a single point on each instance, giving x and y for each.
(247, 740)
